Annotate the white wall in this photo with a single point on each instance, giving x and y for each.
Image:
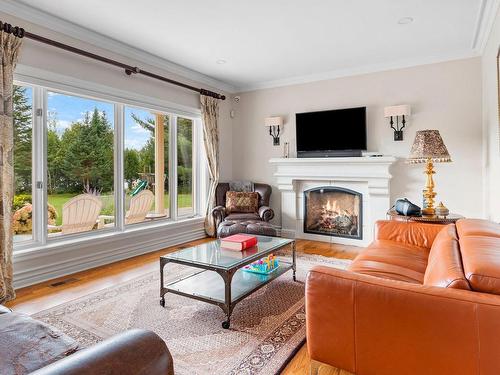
(491, 122)
(444, 96)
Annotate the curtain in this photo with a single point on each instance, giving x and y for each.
(210, 116)
(9, 48)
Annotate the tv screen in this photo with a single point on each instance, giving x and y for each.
(331, 133)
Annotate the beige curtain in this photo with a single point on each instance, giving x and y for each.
(9, 48)
(210, 116)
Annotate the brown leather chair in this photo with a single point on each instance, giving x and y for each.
(29, 346)
(421, 299)
(265, 213)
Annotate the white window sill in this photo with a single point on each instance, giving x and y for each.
(103, 236)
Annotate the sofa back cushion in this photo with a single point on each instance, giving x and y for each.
(241, 202)
(480, 249)
(444, 266)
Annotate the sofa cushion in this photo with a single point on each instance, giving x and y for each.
(481, 259)
(27, 344)
(477, 227)
(242, 202)
(444, 266)
(392, 260)
(480, 250)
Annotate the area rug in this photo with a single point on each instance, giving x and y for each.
(267, 328)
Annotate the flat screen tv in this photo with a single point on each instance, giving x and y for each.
(334, 133)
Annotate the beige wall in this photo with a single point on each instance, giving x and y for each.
(51, 59)
(491, 122)
(444, 96)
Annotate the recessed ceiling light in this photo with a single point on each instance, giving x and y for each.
(405, 20)
(221, 61)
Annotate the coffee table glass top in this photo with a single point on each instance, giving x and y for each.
(211, 254)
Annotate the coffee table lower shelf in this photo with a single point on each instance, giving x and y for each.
(216, 288)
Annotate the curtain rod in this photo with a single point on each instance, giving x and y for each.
(129, 70)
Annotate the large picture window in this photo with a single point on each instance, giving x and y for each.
(94, 165)
(22, 210)
(184, 166)
(146, 162)
(80, 173)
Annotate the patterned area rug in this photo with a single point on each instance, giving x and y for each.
(266, 328)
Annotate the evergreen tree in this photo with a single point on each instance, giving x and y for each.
(55, 176)
(87, 153)
(131, 165)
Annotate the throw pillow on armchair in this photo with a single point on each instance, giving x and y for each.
(242, 202)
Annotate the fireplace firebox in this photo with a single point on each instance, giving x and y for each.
(333, 211)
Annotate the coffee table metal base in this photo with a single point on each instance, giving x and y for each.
(205, 285)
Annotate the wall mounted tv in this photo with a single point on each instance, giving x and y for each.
(334, 133)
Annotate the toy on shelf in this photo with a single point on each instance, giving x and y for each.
(263, 266)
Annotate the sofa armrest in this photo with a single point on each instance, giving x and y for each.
(134, 352)
(407, 232)
(362, 324)
(266, 213)
(219, 213)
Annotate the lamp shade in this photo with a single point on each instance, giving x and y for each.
(428, 144)
(273, 121)
(397, 110)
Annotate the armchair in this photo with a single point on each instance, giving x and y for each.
(265, 213)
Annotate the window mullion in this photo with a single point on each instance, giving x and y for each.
(39, 165)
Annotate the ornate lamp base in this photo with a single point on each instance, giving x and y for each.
(429, 193)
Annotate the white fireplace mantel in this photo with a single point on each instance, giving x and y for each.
(368, 175)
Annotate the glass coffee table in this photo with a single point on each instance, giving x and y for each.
(219, 278)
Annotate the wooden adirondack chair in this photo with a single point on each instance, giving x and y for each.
(140, 205)
(79, 214)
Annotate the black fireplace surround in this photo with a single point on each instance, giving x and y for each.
(333, 211)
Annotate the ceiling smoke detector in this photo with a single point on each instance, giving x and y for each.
(221, 61)
(405, 20)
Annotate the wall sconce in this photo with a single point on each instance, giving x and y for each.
(397, 111)
(274, 124)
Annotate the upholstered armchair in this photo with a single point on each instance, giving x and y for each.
(265, 213)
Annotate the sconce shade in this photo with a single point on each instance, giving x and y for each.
(273, 121)
(428, 144)
(397, 110)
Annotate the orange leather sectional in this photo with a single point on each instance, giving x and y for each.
(422, 299)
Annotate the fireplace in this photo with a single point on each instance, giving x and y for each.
(333, 211)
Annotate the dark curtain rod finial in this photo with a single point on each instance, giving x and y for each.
(129, 70)
(16, 30)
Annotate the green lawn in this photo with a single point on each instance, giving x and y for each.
(108, 208)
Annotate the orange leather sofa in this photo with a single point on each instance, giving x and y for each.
(421, 299)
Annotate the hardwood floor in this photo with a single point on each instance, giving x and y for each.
(51, 293)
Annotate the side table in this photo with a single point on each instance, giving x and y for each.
(449, 219)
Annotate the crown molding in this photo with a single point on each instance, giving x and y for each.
(367, 69)
(43, 19)
(484, 23)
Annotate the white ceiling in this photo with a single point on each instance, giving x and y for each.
(275, 42)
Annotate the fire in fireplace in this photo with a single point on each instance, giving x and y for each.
(333, 211)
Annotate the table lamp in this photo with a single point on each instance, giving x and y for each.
(428, 148)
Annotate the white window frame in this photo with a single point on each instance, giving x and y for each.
(41, 82)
